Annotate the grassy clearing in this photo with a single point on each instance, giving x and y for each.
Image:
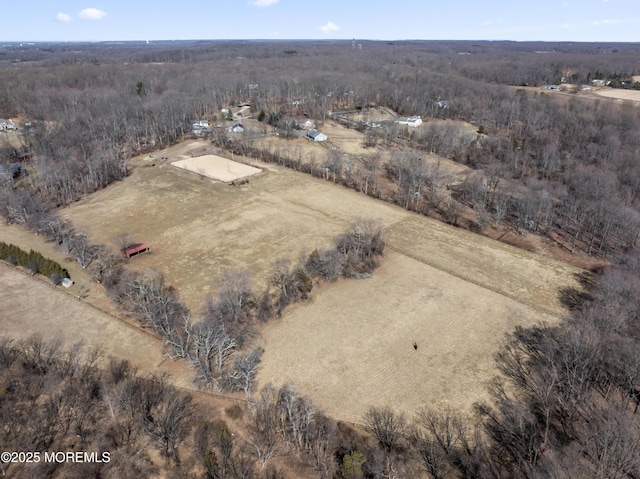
(453, 292)
(353, 345)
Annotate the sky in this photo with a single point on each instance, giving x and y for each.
(122, 20)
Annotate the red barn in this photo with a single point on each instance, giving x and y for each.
(134, 249)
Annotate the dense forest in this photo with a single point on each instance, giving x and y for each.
(564, 166)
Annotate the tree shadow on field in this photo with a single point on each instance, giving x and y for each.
(574, 298)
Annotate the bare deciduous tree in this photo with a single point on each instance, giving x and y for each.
(388, 426)
(244, 370)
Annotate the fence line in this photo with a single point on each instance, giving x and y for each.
(79, 298)
(469, 279)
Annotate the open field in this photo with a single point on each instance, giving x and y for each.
(54, 314)
(12, 139)
(217, 168)
(370, 114)
(453, 292)
(197, 228)
(619, 94)
(352, 347)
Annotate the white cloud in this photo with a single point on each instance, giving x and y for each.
(492, 22)
(63, 17)
(605, 22)
(92, 14)
(263, 3)
(329, 27)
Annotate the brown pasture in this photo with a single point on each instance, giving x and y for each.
(453, 292)
(619, 94)
(197, 228)
(30, 306)
(352, 346)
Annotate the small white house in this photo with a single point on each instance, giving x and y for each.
(315, 135)
(411, 121)
(201, 124)
(236, 128)
(7, 124)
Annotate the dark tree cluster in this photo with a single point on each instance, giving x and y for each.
(33, 261)
(57, 399)
(567, 403)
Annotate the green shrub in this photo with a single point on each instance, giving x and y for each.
(33, 261)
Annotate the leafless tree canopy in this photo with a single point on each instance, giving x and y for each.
(556, 165)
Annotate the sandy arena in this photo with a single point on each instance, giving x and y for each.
(217, 168)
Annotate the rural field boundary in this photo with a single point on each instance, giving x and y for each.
(148, 377)
(78, 298)
(538, 307)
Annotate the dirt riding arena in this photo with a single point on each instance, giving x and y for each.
(217, 168)
(452, 292)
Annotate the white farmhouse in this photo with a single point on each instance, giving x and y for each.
(7, 124)
(201, 124)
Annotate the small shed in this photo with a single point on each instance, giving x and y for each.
(134, 249)
(237, 128)
(67, 283)
(315, 135)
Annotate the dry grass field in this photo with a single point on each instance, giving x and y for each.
(352, 347)
(371, 115)
(618, 94)
(453, 292)
(197, 228)
(41, 309)
(349, 142)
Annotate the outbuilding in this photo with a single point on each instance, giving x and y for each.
(134, 249)
(7, 124)
(315, 135)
